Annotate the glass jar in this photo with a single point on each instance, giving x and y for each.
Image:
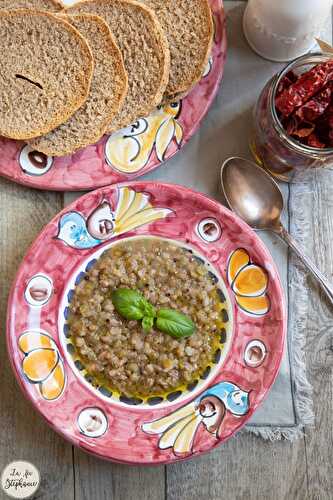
(285, 157)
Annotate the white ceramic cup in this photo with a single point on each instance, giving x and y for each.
(281, 30)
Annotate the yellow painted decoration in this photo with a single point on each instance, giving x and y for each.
(184, 441)
(141, 218)
(34, 340)
(42, 363)
(130, 203)
(257, 306)
(239, 259)
(161, 425)
(53, 386)
(135, 210)
(125, 200)
(170, 436)
(251, 281)
(178, 133)
(38, 364)
(177, 429)
(129, 149)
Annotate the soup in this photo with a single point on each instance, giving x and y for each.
(117, 352)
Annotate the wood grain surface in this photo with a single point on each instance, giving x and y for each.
(24, 435)
(246, 467)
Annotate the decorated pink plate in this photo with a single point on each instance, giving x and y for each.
(128, 153)
(210, 265)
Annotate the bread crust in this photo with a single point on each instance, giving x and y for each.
(162, 52)
(54, 5)
(52, 144)
(183, 86)
(63, 114)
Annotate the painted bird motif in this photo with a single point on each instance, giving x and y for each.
(132, 211)
(129, 149)
(178, 430)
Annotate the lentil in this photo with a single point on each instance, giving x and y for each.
(119, 352)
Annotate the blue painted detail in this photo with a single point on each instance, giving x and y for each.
(90, 264)
(70, 295)
(66, 330)
(79, 278)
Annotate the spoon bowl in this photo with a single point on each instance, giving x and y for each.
(256, 198)
(252, 193)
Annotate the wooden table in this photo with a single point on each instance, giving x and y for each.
(246, 467)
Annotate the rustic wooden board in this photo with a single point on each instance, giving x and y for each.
(95, 479)
(24, 435)
(244, 468)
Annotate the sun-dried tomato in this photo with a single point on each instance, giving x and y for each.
(324, 126)
(329, 125)
(304, 88)
(290, 124)
(305, 106)
(314, 142)
(316, 106)
(297, 128)
(288, 79)
(304, 130)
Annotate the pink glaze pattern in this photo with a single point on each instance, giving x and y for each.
(129, 434)
(168, 130)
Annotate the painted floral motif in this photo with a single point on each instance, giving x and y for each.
(249, 283)
(42, 363)
(178, 429)
(132, 211)
(130, 149)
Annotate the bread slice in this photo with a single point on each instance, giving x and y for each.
(145, 51)
(45, 72)
(189, 27)
(107, 92)
(49, 5)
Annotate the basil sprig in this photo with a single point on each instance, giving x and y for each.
(148, 323)
(132, 305)
(174, 323)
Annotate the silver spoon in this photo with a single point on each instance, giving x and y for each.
(255, 197)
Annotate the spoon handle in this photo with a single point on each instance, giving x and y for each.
(326, 285)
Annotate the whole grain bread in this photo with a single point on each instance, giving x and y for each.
(45, 72)
(145, 51)
(107, 92)
(189, 27)
(49, 5)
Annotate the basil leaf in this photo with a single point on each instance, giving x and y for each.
(129, 303)
(149, 309)
(147, 323)
(173, 323)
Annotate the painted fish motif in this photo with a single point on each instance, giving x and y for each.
(178, 429)
(132, 211)
(129, 149)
